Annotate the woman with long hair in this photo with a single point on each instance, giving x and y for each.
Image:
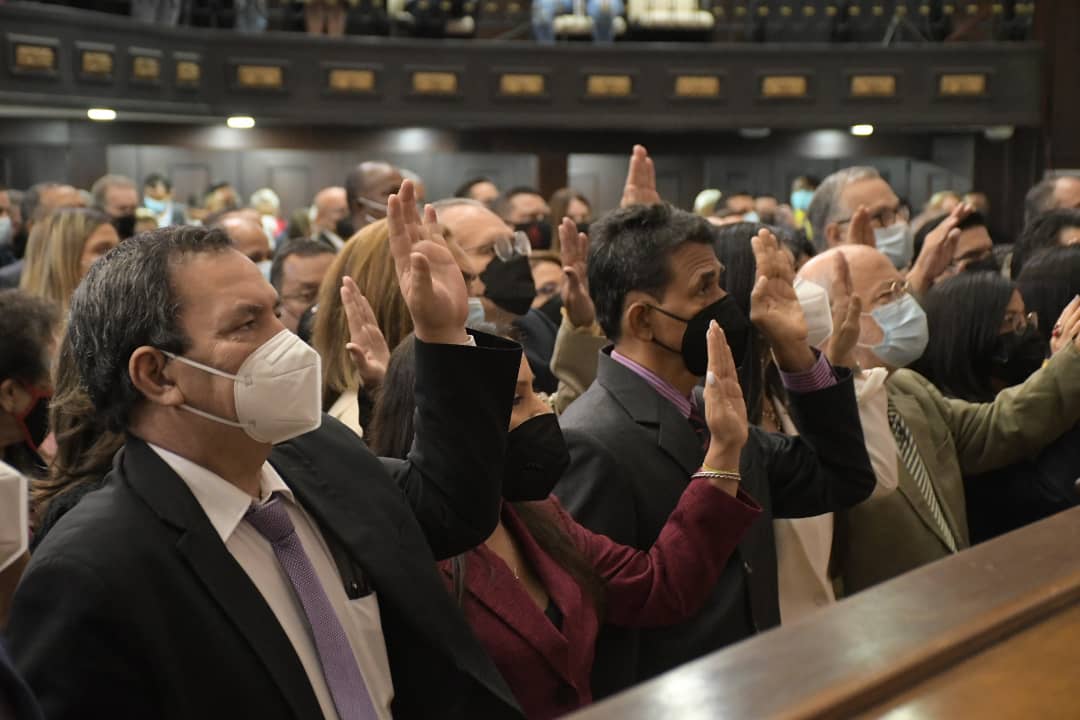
(61, 250)
(983, 339)
(366, 259)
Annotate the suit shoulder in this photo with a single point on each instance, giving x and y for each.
(907, 381)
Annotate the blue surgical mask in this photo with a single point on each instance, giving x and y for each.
(155, 206)
(5, 230)
(903, 324)
(476, 313)
(264, 268)
(896, 243)
(751, 217)
(800, 199)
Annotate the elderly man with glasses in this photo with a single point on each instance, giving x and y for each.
(939, 440)
(499, 257)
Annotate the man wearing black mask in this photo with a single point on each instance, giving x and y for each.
(525, 210)
(117, 197)
(637, 433)
(500, 258)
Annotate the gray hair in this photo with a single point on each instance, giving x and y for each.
(1040, 198)
(101, 187)
(441, 205)
(825, 206)
(128, 300)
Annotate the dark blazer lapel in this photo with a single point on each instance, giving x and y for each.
(168, 496)
(647, 407)
(365, 512)
(908, 408)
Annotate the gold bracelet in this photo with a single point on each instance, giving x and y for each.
(709, 475)
(706, 468)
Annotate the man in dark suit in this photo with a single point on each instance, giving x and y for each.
(260, 567)
(633, 435)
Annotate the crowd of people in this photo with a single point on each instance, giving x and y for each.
(497, 456)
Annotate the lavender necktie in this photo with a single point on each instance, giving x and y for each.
(339, 666)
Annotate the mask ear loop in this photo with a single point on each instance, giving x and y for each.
(246, 380)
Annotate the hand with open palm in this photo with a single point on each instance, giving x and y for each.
(430, 279)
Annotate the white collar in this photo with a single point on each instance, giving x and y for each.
(224, 503)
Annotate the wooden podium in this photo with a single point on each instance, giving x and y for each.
(993, 632)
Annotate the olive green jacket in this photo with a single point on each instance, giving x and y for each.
(886, 536)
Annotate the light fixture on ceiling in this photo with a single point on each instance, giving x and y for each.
(101, 114)
(862, 130)
(999, 133)
(241, 122)
(758, 133)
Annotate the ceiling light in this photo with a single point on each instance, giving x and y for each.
(755, 133)
(241, 122)
(101, 114)
(998, 133)
(862, 130)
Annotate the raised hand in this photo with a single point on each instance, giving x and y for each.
(575, 291)
(366, 345)
(725, 409)
(1067, 329)
(846, 310)
(640, 188)
(859, 230)
(430, 279)
(775, 308)
(938, 250)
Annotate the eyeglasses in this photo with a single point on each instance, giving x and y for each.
(885, 217)
(1017, 323)
(896, 290)
(505, 248)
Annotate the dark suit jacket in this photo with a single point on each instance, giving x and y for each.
(538, 340)
(632, 456)
(132, 607)
(16, 701)
(548, 667)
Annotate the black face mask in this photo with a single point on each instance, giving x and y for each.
(536, 458)
(510, 284)
(539, 233)
(552, 309)
(987, 264)
(343, 228)
(34, 422)
(125, 226)
(695, 349)
(1017, 355)
(583, 228)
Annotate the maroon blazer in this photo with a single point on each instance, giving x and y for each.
(548, 668)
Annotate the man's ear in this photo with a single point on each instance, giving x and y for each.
(637, 320)
(147, 369)
(833, 236)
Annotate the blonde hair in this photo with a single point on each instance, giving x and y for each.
(54, 253)
(366, 259)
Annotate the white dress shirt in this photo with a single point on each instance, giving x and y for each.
(225, 506)
(804, 545)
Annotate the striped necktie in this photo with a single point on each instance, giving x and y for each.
(909, 453)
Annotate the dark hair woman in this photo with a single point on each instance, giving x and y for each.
(983, 340)
(1049, 282)
(536, 592)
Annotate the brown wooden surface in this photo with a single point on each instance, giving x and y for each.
(1033, 674)
(887, 641)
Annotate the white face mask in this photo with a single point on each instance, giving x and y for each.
(476, 313)
(5, 230)
(264, 267)
(14, 522)
(897, 243)
(278, 390)
(817, 310)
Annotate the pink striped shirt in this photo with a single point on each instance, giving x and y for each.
(819, 377)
